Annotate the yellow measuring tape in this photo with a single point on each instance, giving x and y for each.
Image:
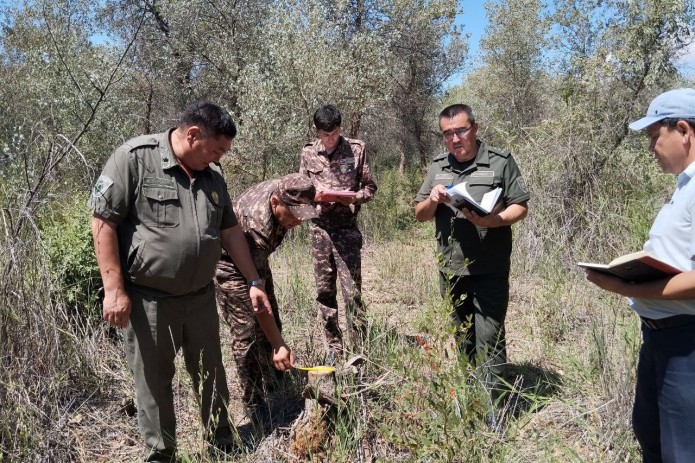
(319, 369)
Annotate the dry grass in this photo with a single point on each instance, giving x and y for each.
(572, 348)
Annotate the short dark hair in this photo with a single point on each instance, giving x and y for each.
(454, 110)
(327, 118)
(671, 122)
(211, 118)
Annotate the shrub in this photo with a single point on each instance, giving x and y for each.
(68, 238)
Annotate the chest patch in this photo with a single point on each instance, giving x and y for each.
(159, 181)
(346, 164)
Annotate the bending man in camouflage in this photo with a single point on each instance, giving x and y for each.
(337, 163)
(265, 213)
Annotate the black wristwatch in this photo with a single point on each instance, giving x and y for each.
(256, 283)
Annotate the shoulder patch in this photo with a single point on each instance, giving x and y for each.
(101, 186)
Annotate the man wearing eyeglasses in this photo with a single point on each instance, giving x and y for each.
(476, 249)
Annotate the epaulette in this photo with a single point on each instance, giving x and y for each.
(311, 143)
(440, 156)
(142, 140)
(355, 141)
(498, 152)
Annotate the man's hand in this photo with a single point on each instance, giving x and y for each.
(439, 194)
(347, 200)
(488, 221)
(607, 282)
(117, 307)
(259, 300)
(283, 358)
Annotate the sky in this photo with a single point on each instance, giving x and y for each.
(474, 21)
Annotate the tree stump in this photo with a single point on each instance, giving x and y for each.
(310, 430)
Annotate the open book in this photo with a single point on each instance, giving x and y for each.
(460, 198)
(635, 267)
(331, 196)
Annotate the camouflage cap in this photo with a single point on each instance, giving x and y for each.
(296, 191)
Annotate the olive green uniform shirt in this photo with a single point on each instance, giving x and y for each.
(458, 240)
(168, 225)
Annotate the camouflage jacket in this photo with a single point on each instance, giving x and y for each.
(262, 230)
(347, 168)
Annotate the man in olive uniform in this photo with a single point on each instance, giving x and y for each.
(265, 212)
(161, 213)
(336, 163)
(479, 290)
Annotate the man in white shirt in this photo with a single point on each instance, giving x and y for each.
(663, 415)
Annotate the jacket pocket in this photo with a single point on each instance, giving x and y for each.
(162, 207)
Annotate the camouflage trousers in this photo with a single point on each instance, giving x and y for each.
(252, 351)
(336, 253)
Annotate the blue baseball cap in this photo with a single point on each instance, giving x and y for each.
(679, 104)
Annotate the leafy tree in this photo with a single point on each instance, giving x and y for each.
(431, 49)
(512, 54)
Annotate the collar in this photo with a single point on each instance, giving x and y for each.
(326, 154)
(482, 158)
(685, 176)
(166, 153)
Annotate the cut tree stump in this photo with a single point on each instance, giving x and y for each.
(310, 430)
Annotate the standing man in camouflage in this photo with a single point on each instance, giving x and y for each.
(479, 290)
(265, 212)
(161, 214)
(334, 162)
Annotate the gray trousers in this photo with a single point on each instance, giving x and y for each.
(158, 328)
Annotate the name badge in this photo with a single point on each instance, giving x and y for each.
(159, 181)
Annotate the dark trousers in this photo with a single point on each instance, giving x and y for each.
(159, 327)
(482, 301)
(663, 416)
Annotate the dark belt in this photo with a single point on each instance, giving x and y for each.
(668, 322)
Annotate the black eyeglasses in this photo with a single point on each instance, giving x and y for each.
(449, 134)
